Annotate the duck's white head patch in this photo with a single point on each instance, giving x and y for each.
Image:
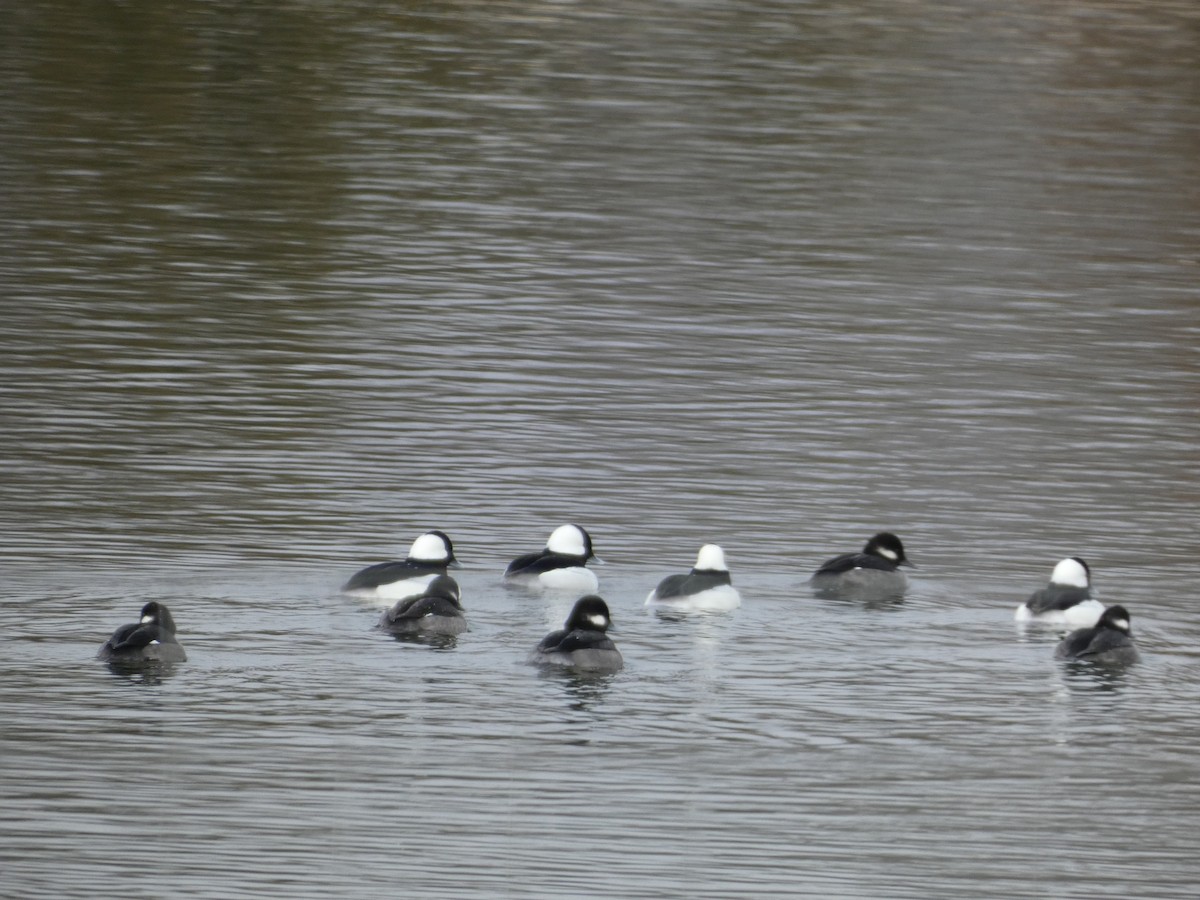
(568, 540)
(711, 558)
(429, 548)
(1070, 573)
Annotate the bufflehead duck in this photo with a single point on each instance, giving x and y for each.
(150, 640)
(874, 571)
(430, 555)
(707, 587)
(581, 643)
(438, 610)
(561, 567)
(1110, 640)
(1067, 600)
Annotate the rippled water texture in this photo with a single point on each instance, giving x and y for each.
(285, 285)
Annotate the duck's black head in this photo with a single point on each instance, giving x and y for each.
(157, 613)
(590, 613)
(445, 588)
(887, 546)
(1116, 618)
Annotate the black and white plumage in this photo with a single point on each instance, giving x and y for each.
(874, 571)
(582, 642)
(438, 610)
(1110, 640)
(1066, 600)
(431, 555)
(149, 640)
(707, 587)
(561, 566)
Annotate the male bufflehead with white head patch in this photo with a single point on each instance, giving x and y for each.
(561, 567)
(707, 587)
(430, 555)
(1066, 600)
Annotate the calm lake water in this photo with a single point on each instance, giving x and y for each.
(285, 285)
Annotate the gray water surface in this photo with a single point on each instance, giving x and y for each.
(285, 285)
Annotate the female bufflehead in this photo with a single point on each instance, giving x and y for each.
(438, 610)
(874, 571)
(1067, 600)
(707, 587)
(151, 640)
(430, 555)
(561, 567)
(1110, 640)
(581, 643)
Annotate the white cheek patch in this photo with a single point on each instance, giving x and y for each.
(1122, 624)
(887, 554)
(146, 620)
(598, 620)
